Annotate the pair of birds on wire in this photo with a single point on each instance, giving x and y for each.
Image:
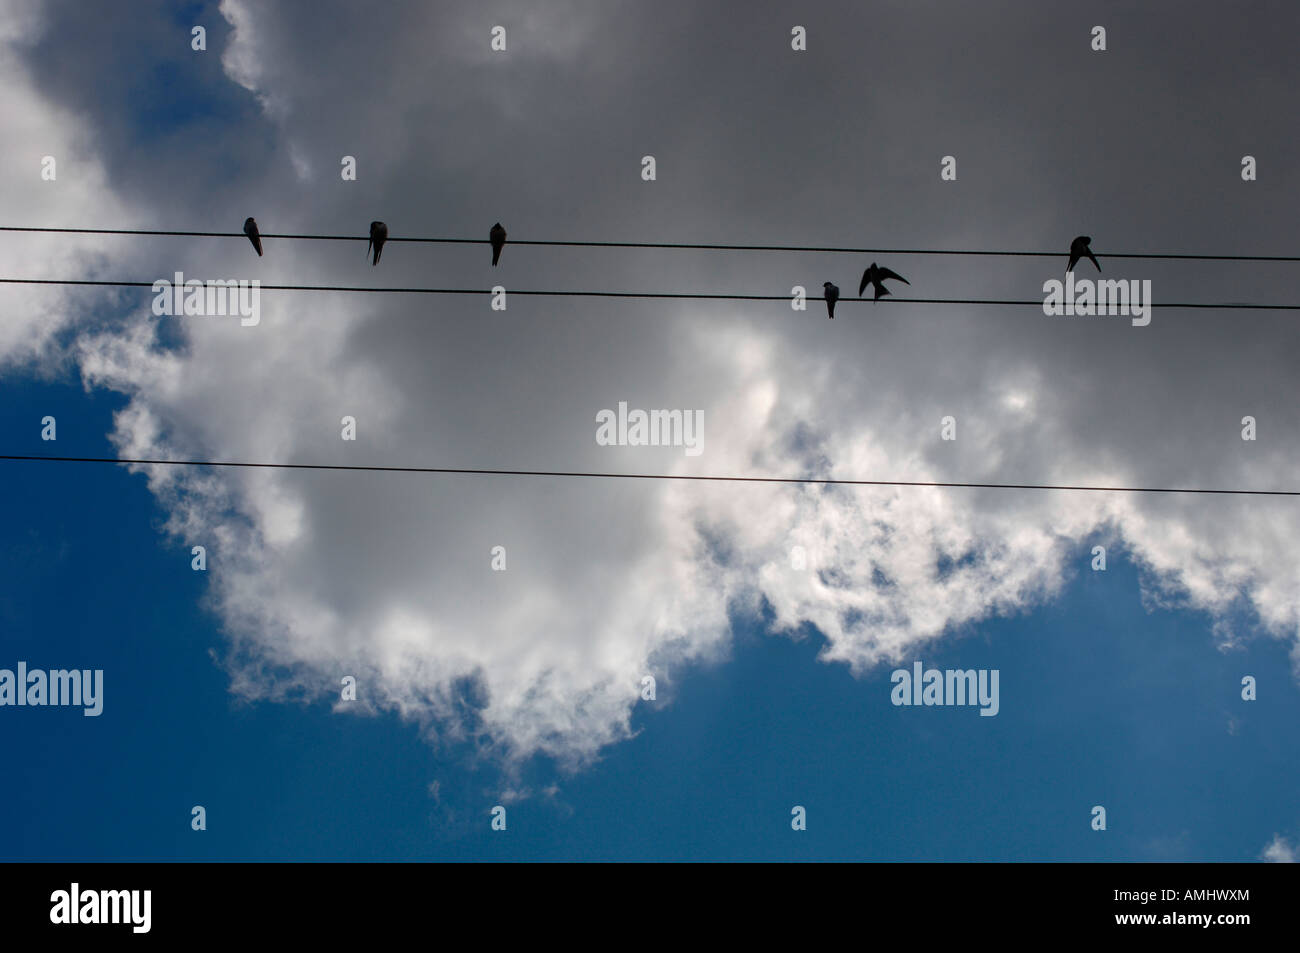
(379, 235)
(875, 275)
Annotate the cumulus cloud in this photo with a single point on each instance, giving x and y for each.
(388, 576)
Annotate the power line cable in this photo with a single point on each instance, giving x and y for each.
(694, 246)
(823, 481)
(705, 296)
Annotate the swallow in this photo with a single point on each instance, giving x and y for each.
(1079, 249)
(378, 235)
(254, 236)
(498, 239)
(832, 295)
(874, 276)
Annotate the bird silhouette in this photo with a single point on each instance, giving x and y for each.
(1079, 249)
(832, 295)
(874, 276)
(378, 235)
(498, 238)
(254, 236)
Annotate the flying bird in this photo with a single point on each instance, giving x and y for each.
(1079, 249)
(378, 235)
(832, 295)
(874, 276)
(254, 236)
(498, 238)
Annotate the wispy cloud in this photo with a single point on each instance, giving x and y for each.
(1279, 851)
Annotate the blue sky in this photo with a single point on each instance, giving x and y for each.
(1119, 688)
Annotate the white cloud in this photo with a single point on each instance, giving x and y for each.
(388, 575)
(37, 127)
(1279, 851)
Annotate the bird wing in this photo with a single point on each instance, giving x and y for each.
(865, 281)
(1074, 260)
(886, 273)
(1094, 259)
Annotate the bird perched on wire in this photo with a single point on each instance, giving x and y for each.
(874, 276)
(378, 235)
(254, 236)
(1079, 249)
(832, 295)
(498, 239)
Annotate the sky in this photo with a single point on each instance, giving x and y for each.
(771, 616)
